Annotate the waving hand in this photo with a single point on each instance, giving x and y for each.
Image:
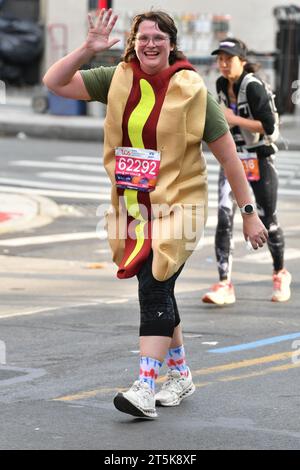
(100, 28)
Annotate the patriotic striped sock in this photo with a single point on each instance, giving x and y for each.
(176, 360)
(149, 370)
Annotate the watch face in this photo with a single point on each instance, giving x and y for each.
(249, 209)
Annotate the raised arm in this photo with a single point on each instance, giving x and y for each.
(225, 152)
(63, 77)
(252, 125)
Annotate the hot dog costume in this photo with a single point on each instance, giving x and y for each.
(164, 112)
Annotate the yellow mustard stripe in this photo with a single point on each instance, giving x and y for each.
(139, 231)
(212, 370)
(136, 124)
(133, 208)
(140, 115)
(132, 204)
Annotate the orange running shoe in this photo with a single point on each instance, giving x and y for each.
(220, 294)
(281, 286)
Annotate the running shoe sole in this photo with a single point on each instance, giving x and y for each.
(208, 300)
(281, 299)
(125, 406)
(185, 394)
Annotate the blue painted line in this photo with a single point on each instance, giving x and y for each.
(255, 344)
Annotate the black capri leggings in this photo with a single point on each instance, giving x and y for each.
(158, 307)
(265, 192)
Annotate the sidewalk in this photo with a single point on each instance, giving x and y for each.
(19, 212)
(18, 117)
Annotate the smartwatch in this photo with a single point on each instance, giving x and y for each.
(247, 209)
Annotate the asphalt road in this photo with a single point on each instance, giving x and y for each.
(69, 333)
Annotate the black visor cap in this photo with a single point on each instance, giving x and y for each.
(231, 47)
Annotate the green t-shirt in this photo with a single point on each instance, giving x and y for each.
(97, 82)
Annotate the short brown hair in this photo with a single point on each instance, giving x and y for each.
(165, 23)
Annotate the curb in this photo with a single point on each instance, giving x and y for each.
(26, 212)
(52, 127)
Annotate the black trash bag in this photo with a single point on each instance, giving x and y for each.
(21, 42)
(11, 74)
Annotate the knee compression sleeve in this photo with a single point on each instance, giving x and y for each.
(159, 313)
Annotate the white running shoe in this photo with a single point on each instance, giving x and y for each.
(281, 286)
(220, 294)
(138, 401)
(175, 389)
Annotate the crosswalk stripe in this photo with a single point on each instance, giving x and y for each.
(36, 184)
(56, 238)
(288, 192)
(57, 193)
(71, 177)
(62, 165)
(282, 169)
(78, 159)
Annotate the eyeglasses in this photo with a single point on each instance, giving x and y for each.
(157, 40)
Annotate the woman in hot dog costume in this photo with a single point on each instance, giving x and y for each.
(158, 113)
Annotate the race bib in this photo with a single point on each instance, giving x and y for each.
(137, 168)
(251, 166)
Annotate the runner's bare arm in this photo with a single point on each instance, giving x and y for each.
(225, 152)
(248, 124)
(63, 77)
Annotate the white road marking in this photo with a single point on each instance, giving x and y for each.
(72, 177)
(78, 159)
(294, 228)
(192, 335)
(36, 184)
(210, 241)
(60, 194)
(284, 170)
(63, 166)
(29, 312)
(57, 238)
(287, 166)
(282, 155)
(288, 192)
(265, 257)
(212, 221)
(38, 310)
(210, 343)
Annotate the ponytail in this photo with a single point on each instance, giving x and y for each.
(251, 67)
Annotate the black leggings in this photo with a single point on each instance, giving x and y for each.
(158, 307)
(265, 192)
